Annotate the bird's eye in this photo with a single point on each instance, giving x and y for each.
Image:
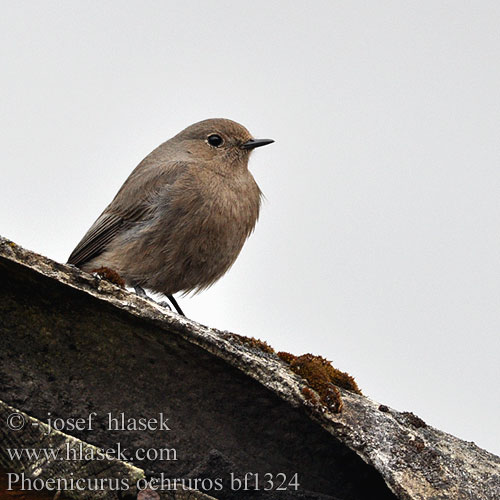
(215, 140)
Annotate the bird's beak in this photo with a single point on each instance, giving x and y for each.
(256, 143)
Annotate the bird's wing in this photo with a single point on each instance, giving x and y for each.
(131, 204)
(95, 240)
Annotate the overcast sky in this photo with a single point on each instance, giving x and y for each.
(378, 244)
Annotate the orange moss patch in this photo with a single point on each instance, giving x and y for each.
(312, 369)
(253, 342)
(287, 357)
(310, 395)
(316, 370)
(110, 275)
(412, 419)
(418, 444)
(320, 365)
(322, 377)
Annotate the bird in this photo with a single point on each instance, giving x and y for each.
(181, 218)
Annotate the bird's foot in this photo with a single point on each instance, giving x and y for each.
(110, 275)
(140, 291)
(164, 303)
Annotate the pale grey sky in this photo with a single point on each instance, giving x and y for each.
(379, 241)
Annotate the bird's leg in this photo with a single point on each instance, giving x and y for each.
(174, 303)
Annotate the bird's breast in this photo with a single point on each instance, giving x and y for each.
(206, 227)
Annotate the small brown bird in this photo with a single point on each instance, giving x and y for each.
(181, 218)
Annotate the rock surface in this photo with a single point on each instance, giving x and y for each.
(72, 345)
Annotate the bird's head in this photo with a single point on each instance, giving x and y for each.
(218, 139)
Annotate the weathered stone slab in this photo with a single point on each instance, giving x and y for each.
(72, 345)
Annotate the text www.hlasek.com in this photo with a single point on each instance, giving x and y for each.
(81, 453)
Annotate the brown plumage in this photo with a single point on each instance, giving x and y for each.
(180, 219)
